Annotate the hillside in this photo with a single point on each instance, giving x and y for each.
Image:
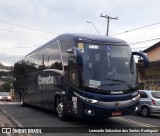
(5, 68)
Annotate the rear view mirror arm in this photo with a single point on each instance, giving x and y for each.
(145, 58)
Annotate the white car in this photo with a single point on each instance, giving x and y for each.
(5, 96)
(149, 102)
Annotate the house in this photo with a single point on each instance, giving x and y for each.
(5, 73)
(150, 78)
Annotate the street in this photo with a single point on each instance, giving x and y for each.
(33, 117)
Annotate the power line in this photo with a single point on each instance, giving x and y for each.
(128, 5)
(136, 8)
(140, 47)
(20, 33)
(136, 29)
(145, 41)
(19, 47)
(27, 27)
(12, 57)
(133, 8)
(151, 35)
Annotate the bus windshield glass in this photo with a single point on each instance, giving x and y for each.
(104, 63)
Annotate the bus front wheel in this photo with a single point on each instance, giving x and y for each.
(60, 109)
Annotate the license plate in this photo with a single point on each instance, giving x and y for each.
(117, 113)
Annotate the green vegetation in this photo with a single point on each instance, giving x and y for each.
(6, 78)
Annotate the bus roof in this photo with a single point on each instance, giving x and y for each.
(92, 37)
(85, 38)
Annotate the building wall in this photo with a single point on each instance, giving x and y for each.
(152, 80)
(154, 54)
(149, 78)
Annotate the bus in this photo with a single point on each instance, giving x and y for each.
(81, 75)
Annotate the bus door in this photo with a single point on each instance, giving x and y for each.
(74, 83)
(73, 72)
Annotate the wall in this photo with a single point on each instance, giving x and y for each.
(151, 79)
(154, 54)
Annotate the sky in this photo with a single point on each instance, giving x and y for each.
(28, 24)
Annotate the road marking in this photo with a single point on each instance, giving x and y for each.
(135, 122)
(10, 103)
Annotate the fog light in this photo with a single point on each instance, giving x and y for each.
(136, 109)
(89, 112)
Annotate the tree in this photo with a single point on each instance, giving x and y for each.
(5, 87)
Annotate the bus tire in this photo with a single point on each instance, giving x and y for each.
(60, 109)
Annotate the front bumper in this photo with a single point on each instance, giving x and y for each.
(97, 111)
(5, 99)
(155, 109)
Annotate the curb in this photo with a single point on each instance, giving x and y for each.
(14, 121)
(15, 124)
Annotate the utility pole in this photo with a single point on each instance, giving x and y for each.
(108, 19)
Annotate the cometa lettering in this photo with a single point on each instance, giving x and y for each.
(117, 92)
(45, 80)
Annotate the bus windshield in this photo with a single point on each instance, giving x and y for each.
(103, 64)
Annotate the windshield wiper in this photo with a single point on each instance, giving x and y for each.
(106, 84)
(128, 85)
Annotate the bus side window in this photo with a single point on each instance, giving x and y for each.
(54, 57)
(65, 44)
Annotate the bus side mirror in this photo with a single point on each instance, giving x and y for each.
(78, 55)
(145, 58)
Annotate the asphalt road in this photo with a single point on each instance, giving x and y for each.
(33, 117)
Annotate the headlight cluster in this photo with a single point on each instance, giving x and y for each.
(86, 99)
(136, 98)
(9, 97)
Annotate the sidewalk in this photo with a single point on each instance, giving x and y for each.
(7, 121)
(4, 121)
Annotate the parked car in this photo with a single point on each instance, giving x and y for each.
(149, 102)
(5, 96)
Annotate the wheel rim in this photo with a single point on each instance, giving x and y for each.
(60, 109)
(144, 111)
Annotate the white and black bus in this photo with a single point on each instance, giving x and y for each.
(82, 75)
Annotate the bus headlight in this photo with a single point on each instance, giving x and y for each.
(86, 99)
(0, 97)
